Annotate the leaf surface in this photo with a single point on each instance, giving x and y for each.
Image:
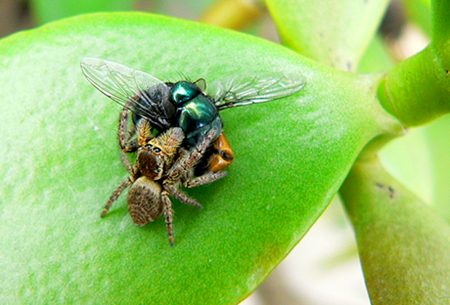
(335, 33)
(404, 244)
(60, 163)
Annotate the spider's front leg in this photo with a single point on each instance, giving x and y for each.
(124, 134)
(189, 159)
(204, 179)
(125, 142)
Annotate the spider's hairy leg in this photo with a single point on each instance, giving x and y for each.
(204, 179)
(126, 183)
(187, 161)
(144, 132)
(168, 215)
(173, 189)
(126, 144)
(125, 134)
(126, 162)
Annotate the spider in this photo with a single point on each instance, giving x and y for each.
(161, 167)
(191, 148)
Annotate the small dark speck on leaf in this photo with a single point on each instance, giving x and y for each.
(389, 188)
(349, 66)
(391, 192)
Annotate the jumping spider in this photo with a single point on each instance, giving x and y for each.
(191, 148)
(162, 166)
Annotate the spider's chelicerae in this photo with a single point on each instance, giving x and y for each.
(161, 167)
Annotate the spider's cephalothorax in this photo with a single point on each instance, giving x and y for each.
(155, 155)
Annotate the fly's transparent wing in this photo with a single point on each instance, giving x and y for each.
(133, 89)
(241, 90)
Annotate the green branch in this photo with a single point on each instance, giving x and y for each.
(417, 90)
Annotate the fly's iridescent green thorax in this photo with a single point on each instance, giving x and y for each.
(198, 113)
(184, 91)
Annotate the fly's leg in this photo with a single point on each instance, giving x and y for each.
(177, 193)
(187, 161)
(204, 179)
(126, 183)
(168, 215)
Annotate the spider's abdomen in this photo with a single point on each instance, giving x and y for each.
(144, 201)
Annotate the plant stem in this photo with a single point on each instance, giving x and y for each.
(417, 90)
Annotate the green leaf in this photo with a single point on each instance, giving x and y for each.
(335, 33)
(60, 163)
(437, 136)
(49, 10)
(408, 160)
(404, 246)
(427, 149)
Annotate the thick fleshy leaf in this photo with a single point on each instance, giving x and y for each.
(49, 10)
(335, 33)
(60, 163)
(438, 140)
(404, 245)
(407, 159)
(421, 162)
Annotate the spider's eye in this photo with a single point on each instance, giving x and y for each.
(148, 146)
(157, 149)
